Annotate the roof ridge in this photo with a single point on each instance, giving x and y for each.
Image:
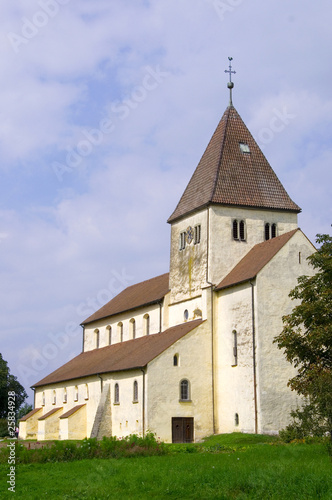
(215, 182)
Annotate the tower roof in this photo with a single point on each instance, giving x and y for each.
(233, 171)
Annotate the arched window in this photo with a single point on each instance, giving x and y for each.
(270, 230)
(176, 360)
(234, 348)
(133, 328)
(109, 334)
(120, 331)
(184, 390)
(76, 393)
(65, 395)
(43, 399)
(242, 231)
(54, 397)
(116, 394)
(86, 396)
(267, 231)
(146, 318)
(97, 338)
(236, 419)
(186, 315)
(235, 230)
(135, 392)
(239, 230)
(273, 230)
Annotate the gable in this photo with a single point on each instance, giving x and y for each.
(255, 260)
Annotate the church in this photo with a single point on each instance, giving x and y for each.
(190, 353)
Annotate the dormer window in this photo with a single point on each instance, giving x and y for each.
(244, 148)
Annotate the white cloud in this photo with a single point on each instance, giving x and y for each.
(61, 240)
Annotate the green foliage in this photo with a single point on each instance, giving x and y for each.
(24, 410)
(66, 451)
(255, 470)
(307, 342)
(3, 427)
(9, 383)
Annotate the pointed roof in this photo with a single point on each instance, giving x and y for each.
(135, 353)
(228, 176)
(254, 261)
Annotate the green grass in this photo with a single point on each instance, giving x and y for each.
(235, 466)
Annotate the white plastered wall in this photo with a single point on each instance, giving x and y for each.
(195, 365)
(103, 326)
(274, 283)
(234, 386)
(224, 251)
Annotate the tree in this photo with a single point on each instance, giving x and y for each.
(9, 383)
(307, 342)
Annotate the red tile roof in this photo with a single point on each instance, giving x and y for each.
(49, 413)
(141, 294)
(227, 176)
(70, 412)
(127, 355)
(28, 415)
(255, 260)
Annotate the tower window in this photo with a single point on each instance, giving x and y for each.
(197, 234)
(183, 240)
(273, 230)
(239, 230)
(235, 230)
(175, 360)
(270, 231)
(186, 315)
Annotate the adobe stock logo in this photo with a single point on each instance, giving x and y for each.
(120, 110)
(31, 27)
(278, 122)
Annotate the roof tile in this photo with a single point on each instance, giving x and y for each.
(227, 176)
(127, 355)
(146, 292)
(255, 260)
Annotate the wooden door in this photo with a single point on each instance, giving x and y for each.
(182, 430)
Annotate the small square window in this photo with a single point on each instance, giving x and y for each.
(244, 148)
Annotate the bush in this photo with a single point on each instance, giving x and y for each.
(108, 447)
(3, 427)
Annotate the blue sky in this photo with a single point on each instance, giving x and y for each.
(106, 109)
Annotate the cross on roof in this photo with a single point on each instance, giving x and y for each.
(230, 84)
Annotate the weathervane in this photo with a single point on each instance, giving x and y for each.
(230, 84)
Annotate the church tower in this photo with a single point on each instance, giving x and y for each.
(233, 201)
